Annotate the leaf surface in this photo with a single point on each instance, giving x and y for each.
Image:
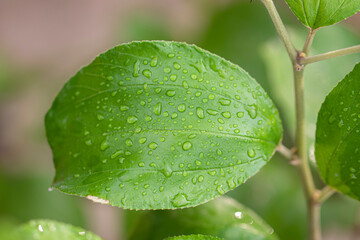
(223, 217)
(321, 13)
(159, 125)
(337, 143)
(52, 230)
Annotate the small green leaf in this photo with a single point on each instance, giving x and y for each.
(52, 230)
(195, 237)
(321, 13)
(159, 125)
(337, 144)
(223, 217)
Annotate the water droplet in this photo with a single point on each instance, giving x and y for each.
(128, 142)
(224, 102)
(154, 62)
(132, 119)
(136, 68)
(226, 114)
(332, 119)
(148, 118)
(104, 145)
(173, 77)
(174, 115)
(251, 152)
(170, 93)
(252, 111)
(212, 172)
(238, 215)
(116, 154)
(341, 123)
(240, 114)
(200, 112)
(177, 66)
(142, 140)
(147, 73)
(167, 70)
(182, 107)
(201, 178)
(141, 164)
(220, 120)
(153, 145)
(171, 55)
(180, 200)
(220, 190)
(231, 183)
(212, 112)
(185, 84)
(158, 108)
(88, 142)
(219, 152)
(198, 163)
(124, 108)
(161, 189)
(211, 96)
(100, 117)
(191, 136)
(186, 146)
(107, 189)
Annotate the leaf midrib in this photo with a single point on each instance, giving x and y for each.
(152, 84)
(159, 170)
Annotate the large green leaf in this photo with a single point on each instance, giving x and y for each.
(52, 230)
(194, 237)
(223, 217)
(337, 145)
(321, 13)
(159, 125)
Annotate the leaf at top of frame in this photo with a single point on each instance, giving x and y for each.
(321, 13)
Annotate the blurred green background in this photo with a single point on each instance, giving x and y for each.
(43, 43)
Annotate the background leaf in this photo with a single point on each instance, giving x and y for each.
(52, 230)
(317, 13)
(337, 147)
(154, 125)
(194, 237)
(223, 217)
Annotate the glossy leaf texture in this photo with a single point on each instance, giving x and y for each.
(321, 13)
(337, 143)
(194, 237)
(223, 217)
(51, 230)
(159, 125)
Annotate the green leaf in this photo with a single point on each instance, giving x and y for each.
(321, 13)
(195, 237)
(223, 217)
(337, 148)
(52, 230)
(159, 125)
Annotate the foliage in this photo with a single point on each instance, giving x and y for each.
(167, 125)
